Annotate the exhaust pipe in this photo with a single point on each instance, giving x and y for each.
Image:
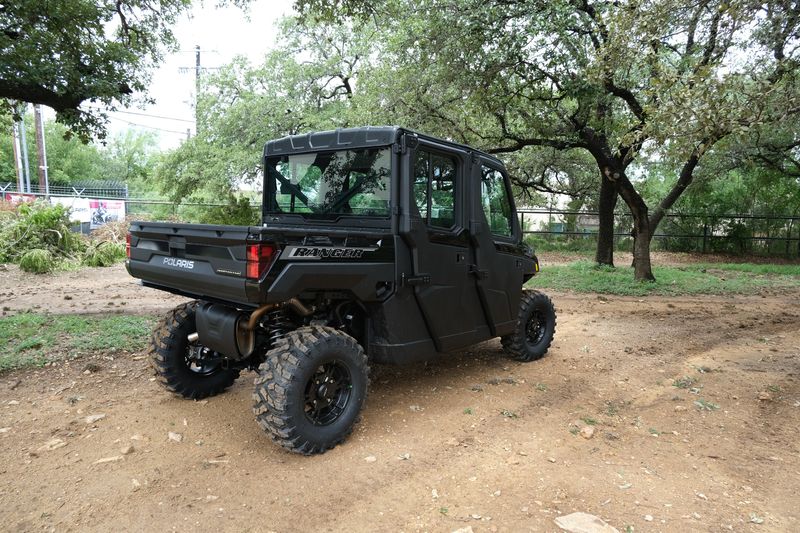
(225, 330)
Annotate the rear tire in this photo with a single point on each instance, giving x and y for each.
(536, 326)
(179, 364)
(311, 388)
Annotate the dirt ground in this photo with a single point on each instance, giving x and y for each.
(470, 440)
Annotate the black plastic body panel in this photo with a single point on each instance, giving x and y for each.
(204, 261)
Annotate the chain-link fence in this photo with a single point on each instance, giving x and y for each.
(738, 233)
(743, 233)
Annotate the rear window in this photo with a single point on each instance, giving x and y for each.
(330, 184)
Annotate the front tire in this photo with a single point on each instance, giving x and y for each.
(184, 368)
(536, 326)
(310, 390)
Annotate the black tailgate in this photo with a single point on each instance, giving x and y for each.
(203, 261)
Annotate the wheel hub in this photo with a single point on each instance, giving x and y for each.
(327, 393)
(201, 360)
(535, 328)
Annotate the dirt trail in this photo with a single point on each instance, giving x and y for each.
(470, 440)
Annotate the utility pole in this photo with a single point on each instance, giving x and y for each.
(17, 153)
(197, 69)
(41, 149)
(24, 149)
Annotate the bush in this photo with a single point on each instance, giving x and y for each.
(38, 236)
(38, 226)
(103, 254)
(37, 261)
(237, 212)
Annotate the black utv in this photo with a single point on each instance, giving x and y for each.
(377, 244)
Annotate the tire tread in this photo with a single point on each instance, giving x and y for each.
(165, 362)
(277, 374)
(514, 343)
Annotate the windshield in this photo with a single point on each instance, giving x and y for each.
(326, 184)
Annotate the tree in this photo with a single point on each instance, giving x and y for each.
(66, 53)
(308, 83)
(129, 157)
(668, 78)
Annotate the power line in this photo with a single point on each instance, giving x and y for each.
(191, 121)
(148, 127)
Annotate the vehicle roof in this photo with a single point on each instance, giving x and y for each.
(346, 138)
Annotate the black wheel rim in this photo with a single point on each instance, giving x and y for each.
(327, 393)
(200, 360)
(535, 328)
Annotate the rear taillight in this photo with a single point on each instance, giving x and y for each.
(259, 258)
(128, 245)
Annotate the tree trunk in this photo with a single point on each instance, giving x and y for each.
(612, 169)
(642, 269)
(605, 234)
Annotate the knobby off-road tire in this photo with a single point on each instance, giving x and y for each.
(536, 325)
(310, 390)
(175, 359)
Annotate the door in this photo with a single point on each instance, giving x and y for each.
(495, 235)
(439, 246)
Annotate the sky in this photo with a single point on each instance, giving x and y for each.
(222, 34)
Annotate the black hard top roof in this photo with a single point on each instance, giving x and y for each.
(346, 138)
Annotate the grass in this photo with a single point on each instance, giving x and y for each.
(722, 278)
(685, 382)
(703, 405)
(34, 338)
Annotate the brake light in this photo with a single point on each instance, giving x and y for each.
(259, 259)
(128, 245)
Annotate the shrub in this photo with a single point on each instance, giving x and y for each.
(103, 254)
(237, 212)
(38, 226)
(37, 261)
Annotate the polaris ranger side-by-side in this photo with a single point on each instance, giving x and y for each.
(377, 244)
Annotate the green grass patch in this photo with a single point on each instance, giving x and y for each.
(34, 339)
(753, 268)
(723, 278)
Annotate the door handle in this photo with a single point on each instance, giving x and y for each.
(413, 281)
(477, 272)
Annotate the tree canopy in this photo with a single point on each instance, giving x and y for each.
(66, 53)
(128, 157)
(578, 97)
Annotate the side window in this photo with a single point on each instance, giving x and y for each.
(422, 169)
(495, 202)
(434, 188)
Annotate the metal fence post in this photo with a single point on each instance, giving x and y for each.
(705, 236)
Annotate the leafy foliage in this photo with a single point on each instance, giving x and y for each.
(103, 254)
(62, 53)
(40, 227)
(37, 260)
(307, 84)
(622, 82)
(39, 238)
(129, 157)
